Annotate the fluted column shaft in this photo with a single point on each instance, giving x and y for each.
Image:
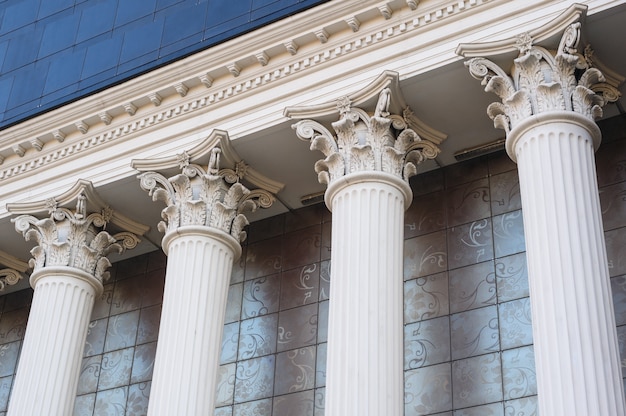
(199, 266)
(49, 365)
(576, 349)
(365, 336)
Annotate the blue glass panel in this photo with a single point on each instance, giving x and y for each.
(223, 10)
(22, 51)
(19, 14)
(59, 34)
(5, 90)
(130, 10)
(141, 40)
(162, 4)
(184, 23)
(64, 70)
(49, 7)
(96, 20)
(27, 85)
(101, 56)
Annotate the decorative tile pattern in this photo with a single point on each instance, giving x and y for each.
(477, 381)
(508, 233)
(225, 389)
(115, 369)
(230, 343)
(618, 288)
(111, 402)
(470, 243)
(121, 331)
(468, 202)
(505, 193)
(320, 366)
(512, 277)
(143, 363)
(13, 325)
(264, 258)
(474, 332)
(425, 215)
(296, 404)
(493, 409)
(8, 357)
(526, 406)
(302, 247)
(260, 296)
(5, 390)
(515, 323)
(300, 286)
(259, 407)
(427, 343)
(233, 303)
(89, 374)
(149, 319)
(472, 287)
(518, 373)
(428, 390)
(84, 405)
(324, 290)
(425, 255)
(96, 334)
(295, 371)
(615, 243)
(258, 336)
(426, 297)
(297, 327)
(255, 380)
(138, 395)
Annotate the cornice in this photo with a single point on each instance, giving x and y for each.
(158, 99)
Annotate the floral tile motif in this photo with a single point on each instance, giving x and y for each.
(8, 357)
(426, 298)
(470, 243)
(505, 193)
(425, 255)
(324, 291)
(618, 288)
(468, 202)
(89, 374)
(116, 369)
(84, 405)
(512, 277)
(474, 332)
(138, 395)
(230, 343)
(508, 233)
(425, 215)
(476, 381)
(427, 343)
(259, 407)
(96, 334)
(143, 363)
(225, 386)
(224, 411)
(428, 390)
(472, 287)
(295, 404)
(121, 331)
(493, 409)
(258, 336)
(255, 379)
(300, 286)
(260, 296)
(518, 373)
(302, 247)
(239, 267)
(319, 401)
(297, 327)
(102, 305)
(515, 323)
(111, 402)
(526, 406)
(295, 371)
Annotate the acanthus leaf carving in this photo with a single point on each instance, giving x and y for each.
(9, 277)
(210, 197)
(543, 81)
(363, 142)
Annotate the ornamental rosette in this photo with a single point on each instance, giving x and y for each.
(381, 142)
(542, 81)
(213, 197)
(73, 239)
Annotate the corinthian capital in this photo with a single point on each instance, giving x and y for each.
(378, 141)
(210, 197)
(73, 238)
(541, 81)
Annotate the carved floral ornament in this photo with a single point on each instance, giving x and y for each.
(382, 142)
(9, 277)
(74, 239)
(541, 82)
(213, 197)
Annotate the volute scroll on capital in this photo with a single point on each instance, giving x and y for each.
(382, 141)
(211, 197)
(75, 239)
(543, 81)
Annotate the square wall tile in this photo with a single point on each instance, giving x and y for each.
(300, 404)
(260, 296)
(518, 373)
(472, 287)
(425, 255)
(255, 380)
(295, 371)
(257, 336)
(427, 343)
(512, 277)
(428, 390)
(425, 215)
(470, 243)
(477, 381)
(508, 233)
(474, 332)
(426, 298)
(515, 323)
(297, 327)
(468, 202)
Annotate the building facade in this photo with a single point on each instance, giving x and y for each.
(453, 245)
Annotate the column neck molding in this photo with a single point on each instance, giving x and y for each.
(67, 272)
(542, 119)
(368, 178)
(197, 231)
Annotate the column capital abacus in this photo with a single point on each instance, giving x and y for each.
(542, 82)
(74, 238)
(365, 142)
(210, 197)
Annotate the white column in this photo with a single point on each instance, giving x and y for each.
(49, 365)
(367, 167)
(199, 266)
(365, 329)
(576, 353)
(203, 227)
(69, 264)
(548, 111)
